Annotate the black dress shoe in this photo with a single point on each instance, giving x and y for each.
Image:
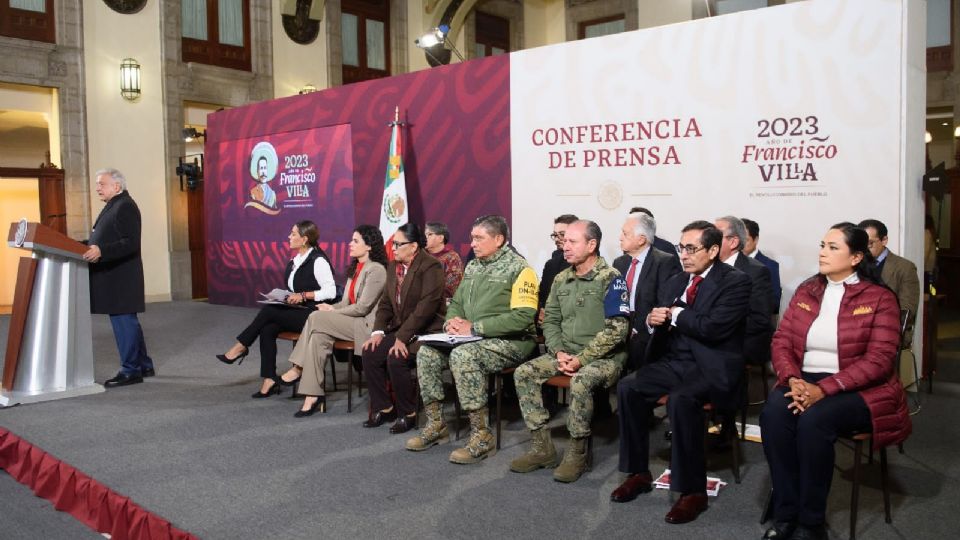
(274, 389)
(804, 532)
(319, 405)
(380, 418)
(634, 485)
(687, 508)
(781, 530)
(404, 424)
(122, 380)
(149, 372)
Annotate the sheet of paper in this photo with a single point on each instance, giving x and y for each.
(713, 484)
(448, 338)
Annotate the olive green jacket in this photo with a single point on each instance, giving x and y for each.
(576, 321)
(498, 295)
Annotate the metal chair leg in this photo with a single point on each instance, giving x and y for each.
(855, 493)
(359, 376)
(735, 448)
(744, 405)
(765, 378)
(349, 384)
(456, 409)
(333, 372)
(590, 452)
(884, 483)
(498, 388)
(459, 413)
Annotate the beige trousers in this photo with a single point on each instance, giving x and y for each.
(316, 344)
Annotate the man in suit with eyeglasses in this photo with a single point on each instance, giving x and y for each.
(697, 335)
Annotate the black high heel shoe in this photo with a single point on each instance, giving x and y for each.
(290, 383)
(274, 389)
(320, 404)
(239, 359)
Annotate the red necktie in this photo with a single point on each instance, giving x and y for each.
(692, 289)
(630, 274)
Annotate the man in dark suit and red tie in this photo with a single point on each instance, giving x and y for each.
(646, 270)
(699, 328)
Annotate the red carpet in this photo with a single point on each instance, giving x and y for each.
(94, 504)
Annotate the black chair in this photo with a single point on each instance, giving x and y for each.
(353, 364)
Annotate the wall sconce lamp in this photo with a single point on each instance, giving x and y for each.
(191, 134)
(436, 39)
(307, 89)
(129, 79)
(927, 137)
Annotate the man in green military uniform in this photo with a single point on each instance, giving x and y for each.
(585, 328)
(497, 301)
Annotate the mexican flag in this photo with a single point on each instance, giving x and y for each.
(394, 209)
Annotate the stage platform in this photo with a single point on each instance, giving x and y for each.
(192, 447)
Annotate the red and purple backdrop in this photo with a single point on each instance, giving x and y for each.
(330, 160)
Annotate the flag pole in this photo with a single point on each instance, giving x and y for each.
(394, 210)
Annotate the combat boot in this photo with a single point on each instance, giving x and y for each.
(435, 432)
(542, 453)
(574, 461)
(481, 444)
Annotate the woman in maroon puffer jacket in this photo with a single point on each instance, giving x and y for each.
(834, 359)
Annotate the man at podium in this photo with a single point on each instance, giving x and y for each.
(116, 275)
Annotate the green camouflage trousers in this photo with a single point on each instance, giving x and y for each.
(470, 364)
(595, 376)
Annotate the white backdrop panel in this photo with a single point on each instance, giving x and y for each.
(744, 89)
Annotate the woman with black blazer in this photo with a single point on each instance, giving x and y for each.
(350, 319)
(310, 277)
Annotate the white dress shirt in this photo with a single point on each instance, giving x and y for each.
(640, 258)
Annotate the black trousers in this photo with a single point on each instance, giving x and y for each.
(800, 449)
(269, 322)
(379, 366)
(637, 395)
(637, 350)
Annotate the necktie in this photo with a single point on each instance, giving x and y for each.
(692, 289)
(401, 271)
(630, 275)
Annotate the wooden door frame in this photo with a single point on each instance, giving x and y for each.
(53, 206)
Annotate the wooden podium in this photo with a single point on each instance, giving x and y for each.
(49, 352)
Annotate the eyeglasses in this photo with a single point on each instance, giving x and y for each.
(398, 245)
(689, 248)
(557, 236)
